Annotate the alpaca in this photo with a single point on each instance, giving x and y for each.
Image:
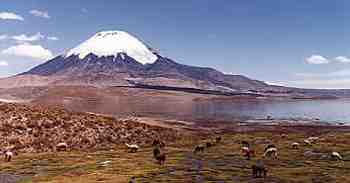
(133, 148)
(307, 142)
(283, 135)
(312, 139)
(61, 146)
(271, 152)
(295, 145)
(199, 148)
(259, 170)
(336, 156)
(247, 152)
(8, 155)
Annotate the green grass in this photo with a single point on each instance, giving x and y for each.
(222, 162)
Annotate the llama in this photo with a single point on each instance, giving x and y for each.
(62, 146)
(8, 155)
(307, 142)
(295, 145)
(247, 152)
(199, 148)
(283, 135)
(133, 148)
(259, 170)
(312, 139)
(159, 155)
(271, 152)
(336, 156)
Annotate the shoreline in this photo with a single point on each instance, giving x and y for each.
(252, 125)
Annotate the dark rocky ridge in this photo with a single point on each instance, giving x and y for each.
(122, 68)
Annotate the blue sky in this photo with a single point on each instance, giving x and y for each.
(295, 42)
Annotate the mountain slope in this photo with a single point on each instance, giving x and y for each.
(116, 58)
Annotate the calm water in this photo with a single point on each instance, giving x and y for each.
(325, 110)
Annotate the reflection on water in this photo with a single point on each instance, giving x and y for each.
(219, 110)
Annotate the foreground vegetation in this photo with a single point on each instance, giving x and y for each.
(220, 163)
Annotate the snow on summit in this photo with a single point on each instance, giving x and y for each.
(110, 43)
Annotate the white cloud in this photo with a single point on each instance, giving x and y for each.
(10, 16)
(3, 63)
(317, 59)
(52, 38)
(3, 37)
(29, 50)
(23, 37)
(342, 59)
(42, 14)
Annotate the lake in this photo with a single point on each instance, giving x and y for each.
(219, 110)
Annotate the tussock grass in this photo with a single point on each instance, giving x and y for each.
(221, 163)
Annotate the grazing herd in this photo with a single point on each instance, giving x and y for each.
(259, 170)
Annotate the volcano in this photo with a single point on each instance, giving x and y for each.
(117, 58)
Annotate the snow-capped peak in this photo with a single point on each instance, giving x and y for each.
(111, 43)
